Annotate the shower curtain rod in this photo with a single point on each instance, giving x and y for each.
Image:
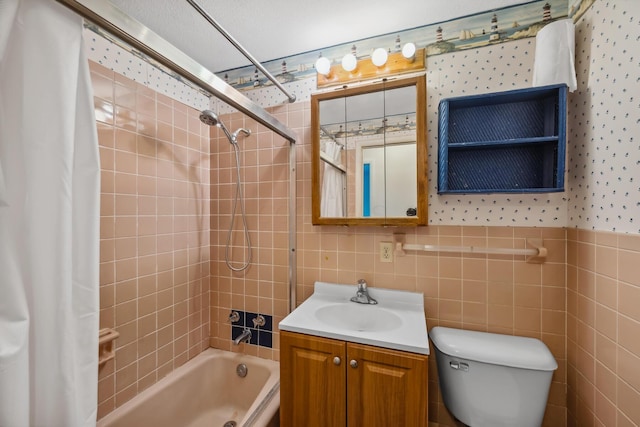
(330, 162)
(116, 22)
(242, 50)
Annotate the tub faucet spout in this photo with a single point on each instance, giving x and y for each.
(245, 336)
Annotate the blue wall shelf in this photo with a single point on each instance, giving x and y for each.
(506, 142)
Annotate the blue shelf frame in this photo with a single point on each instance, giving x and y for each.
(504, 142)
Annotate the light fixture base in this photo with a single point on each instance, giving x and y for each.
(366, 70)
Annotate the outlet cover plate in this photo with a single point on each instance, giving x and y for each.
(386, 251)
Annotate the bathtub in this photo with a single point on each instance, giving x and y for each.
(207, 391)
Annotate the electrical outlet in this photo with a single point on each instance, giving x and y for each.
(386, 252)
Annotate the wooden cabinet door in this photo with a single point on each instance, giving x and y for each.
(386, 388)
(312, 384)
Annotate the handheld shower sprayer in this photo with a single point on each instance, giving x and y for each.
(210, 118)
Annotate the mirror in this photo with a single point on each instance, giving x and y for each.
(369, 154)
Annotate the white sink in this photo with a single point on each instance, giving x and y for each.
(397, 322)
(358, 317)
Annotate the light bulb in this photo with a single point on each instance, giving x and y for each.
(323, 66)
(349, 62)
(409, 51)
(379, 57)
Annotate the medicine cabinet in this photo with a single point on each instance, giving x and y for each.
(369, 154)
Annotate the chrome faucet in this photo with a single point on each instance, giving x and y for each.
(245, 336)
(362, 294)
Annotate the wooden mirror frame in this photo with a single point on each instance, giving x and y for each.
(421, 154)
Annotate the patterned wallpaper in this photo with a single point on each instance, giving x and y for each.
(603, 124)
(495, 68)
(468, 32)
(604, 120)
(297, 73)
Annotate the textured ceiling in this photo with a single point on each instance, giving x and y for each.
(273, 29)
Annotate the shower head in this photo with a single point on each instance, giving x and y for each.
(210, 118)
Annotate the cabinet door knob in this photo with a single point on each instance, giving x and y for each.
(353, 363)
(336, 361)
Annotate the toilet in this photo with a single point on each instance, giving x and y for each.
(492, 380)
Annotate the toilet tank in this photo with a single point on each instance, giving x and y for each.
(493, 379)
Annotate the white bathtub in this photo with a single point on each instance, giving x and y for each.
(206, 391)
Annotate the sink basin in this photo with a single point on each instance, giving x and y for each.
(397, 322)
(358, 317)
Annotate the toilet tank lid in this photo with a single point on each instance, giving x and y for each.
(497, 349)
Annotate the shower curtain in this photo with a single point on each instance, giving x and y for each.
(332, 200)
(49, 220)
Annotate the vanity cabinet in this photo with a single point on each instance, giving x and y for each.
(330, 383)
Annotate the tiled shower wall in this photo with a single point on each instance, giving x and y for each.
(263, 287)
(154, 246)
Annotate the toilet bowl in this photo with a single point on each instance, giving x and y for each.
(493, 380)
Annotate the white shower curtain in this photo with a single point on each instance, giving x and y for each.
(332, 200)
(49, 220)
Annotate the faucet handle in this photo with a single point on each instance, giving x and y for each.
(362, 285)
(234, 316)
(259, 320)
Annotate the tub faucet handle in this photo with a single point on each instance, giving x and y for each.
(234, 316)
(259, 320)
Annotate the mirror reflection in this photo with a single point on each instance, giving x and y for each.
(369, 155)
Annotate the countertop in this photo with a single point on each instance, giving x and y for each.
(407, 334)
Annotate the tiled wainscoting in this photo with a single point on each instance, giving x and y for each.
(603, 328)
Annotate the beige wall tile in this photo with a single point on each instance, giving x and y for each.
(606, 309)
(606, 321)
(629, 300)
(629, 242)
(628, 401)
(606, 261)
(628, 262)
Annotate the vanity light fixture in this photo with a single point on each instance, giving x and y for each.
(379, 57)
(381, 63)
(409, 51)
(323, 66)
(349, 62)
